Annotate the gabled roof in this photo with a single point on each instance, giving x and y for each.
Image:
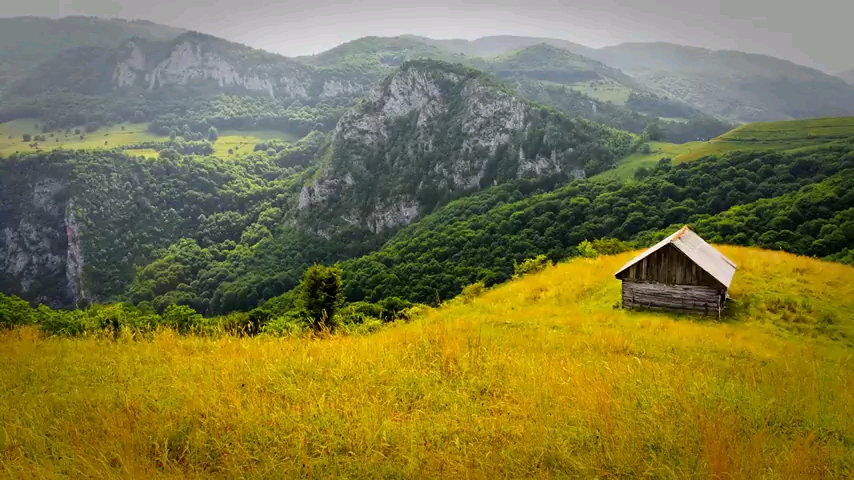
(695, 248)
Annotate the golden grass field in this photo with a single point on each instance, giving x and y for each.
(776, 136)
(541, 377)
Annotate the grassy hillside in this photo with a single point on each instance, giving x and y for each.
(771, 136)
(538, 378)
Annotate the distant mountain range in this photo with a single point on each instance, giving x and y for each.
(90, 56)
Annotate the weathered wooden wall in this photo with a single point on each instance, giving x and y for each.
(700, 299)
(671, 267)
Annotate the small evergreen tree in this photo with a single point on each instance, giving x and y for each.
(321, 295)
(213, 134)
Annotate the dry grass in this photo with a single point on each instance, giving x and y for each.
(539, 378)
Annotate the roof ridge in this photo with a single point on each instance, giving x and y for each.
(680, 233)
(697, 250)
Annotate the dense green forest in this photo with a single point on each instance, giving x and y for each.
(128, 207)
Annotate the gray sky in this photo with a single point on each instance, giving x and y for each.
(815, 33)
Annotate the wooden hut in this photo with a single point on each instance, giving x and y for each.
(682, 273)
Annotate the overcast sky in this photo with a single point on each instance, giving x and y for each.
(815, 33)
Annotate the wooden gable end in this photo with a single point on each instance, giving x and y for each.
(669, 266)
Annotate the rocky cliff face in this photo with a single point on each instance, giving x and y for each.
(40, 256)
(431, 131)
(197, 58)
(192, 59)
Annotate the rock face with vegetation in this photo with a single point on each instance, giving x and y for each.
(34, 242)
(191, 59)
(432, 131)
(75, 226)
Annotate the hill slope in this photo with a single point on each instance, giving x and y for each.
(542, 373)
(735, 85)
(580, 86)
(194, 79)
(767, 136)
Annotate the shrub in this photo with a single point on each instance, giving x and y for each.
(530, 265)
(182, 318)
(15, 311)
(470, 292)
(291, 323)
(586, 249)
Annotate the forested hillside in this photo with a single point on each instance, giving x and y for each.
(803, 196)
(78, 223)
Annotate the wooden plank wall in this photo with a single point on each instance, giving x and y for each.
(669, 266)
(700, 299)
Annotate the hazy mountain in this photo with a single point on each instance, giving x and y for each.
(735, 85)
(26, 41)
(193, 79)
(624, 86)
(498, 44)
(543, 61)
